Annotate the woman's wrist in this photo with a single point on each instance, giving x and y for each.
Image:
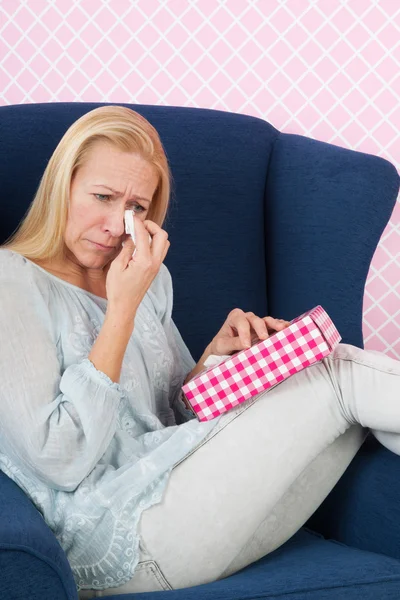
(200, 365)
(120, 318)
(109, 348)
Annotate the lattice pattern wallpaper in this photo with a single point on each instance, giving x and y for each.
(328, 69)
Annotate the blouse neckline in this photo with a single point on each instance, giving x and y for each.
(67, 283)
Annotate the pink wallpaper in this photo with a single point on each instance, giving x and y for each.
(328, 69)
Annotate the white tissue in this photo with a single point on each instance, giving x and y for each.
(130, 227)
(215, 359)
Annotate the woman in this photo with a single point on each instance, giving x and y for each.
(93, 427)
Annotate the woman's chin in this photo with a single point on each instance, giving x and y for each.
(99, 262)
(94, 260)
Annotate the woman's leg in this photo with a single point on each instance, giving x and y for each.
(223, 492)
(301, 499)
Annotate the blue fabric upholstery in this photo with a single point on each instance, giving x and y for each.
(219, 164)
(306, 567)
(32, 563)
(326, 208)
(363, 510)
(268, 222)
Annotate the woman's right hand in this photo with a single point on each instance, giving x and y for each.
(129, 278)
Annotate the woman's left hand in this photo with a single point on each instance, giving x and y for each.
(241, 330)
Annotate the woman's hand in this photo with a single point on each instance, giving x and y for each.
(241, 330)
(129, 277)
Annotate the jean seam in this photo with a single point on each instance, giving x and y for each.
(365, 364)
(249, 402)
(213, 433)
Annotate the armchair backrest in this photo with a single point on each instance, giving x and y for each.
(325, 208)
(268, 222)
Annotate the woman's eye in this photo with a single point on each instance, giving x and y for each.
(105, 197)
(139, 207)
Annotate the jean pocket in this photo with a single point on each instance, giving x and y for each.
(147, 577)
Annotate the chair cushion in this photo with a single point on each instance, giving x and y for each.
(307, 567)
(363, 509)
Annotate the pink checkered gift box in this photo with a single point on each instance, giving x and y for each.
(307, 340)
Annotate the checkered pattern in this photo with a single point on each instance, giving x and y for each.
(325, 324)
(326, 69)
(308, 339)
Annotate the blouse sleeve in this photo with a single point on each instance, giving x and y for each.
(183, 360)
(55, 426)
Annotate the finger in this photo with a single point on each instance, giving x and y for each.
(159, 237)
(259, 325)
(127, 250)
(286, 323)
(277, 324)
(142, 237)
(242, 325)
(151, 226)
(167, 245)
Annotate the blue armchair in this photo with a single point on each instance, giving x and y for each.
(269, 222)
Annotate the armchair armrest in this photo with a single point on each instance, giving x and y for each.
(32, 563)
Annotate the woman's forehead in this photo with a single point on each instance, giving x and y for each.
(116, 174)
(106, 150)
(117, 163)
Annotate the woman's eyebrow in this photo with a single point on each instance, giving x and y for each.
(134, 197)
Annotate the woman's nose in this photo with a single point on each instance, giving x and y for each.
(115, 223)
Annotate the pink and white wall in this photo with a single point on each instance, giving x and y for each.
(327, 69)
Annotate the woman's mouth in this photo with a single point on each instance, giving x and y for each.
(101, 247)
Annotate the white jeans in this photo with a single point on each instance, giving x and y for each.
(263, 471)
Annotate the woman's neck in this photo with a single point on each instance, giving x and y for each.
(95, 285)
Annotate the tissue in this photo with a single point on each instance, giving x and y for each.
(215, 359)
(130, 227)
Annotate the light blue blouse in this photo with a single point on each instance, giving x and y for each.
(92, 454)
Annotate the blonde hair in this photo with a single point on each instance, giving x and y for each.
(40, 235)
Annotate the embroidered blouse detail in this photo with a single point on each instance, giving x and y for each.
(91, 454)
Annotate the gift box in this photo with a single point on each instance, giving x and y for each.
(233, 379)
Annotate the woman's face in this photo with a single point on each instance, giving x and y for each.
(96, 213)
